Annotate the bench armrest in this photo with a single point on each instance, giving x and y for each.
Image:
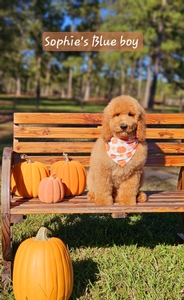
(5, 180)
(5, 202)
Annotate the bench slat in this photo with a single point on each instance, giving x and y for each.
(156, 147)
(164, 133)
(167, 201)
(168, 161)
(55, 132)
(154, 198)
(94, 118)
(92, 208)
(54, 147)
(57, 118)
(165, 119)
(70, 132)
(86, 147)
(154, 161)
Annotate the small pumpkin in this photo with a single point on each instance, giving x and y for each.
(42, 269)
(26, 176)
(51, 189)
(72, 174)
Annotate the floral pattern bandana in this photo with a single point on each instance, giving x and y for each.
(121, 150)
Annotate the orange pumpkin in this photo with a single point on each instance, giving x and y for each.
(72, 174)
(26, 176)
(42, 269)
(51, 189)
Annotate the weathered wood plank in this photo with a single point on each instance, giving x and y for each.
(53, 147)
(88, 133)
(152, 161)
(159, 119)
(56, 132)
(6, 272)
(153, 196)
(167, 201)
(87, 209)
(86, 147)
(85, 203)
(88, 118)
(166, 160)
(57, 118)
(5, 203)
(156, 147)
(48, 160)
(165, 133)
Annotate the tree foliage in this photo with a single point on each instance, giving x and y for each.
(100, 74)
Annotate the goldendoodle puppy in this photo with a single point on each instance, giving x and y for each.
(119, 155)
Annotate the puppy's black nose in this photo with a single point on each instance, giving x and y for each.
(123, 126)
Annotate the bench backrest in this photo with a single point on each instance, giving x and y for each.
(45, 136)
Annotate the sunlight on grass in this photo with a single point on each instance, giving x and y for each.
(133, 258)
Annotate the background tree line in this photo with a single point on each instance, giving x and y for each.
(156, 72)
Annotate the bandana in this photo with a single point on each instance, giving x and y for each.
(121, 151)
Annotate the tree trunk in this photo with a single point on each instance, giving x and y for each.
(157, 60)
(111, 87)
(38, 75)
(1, 82)
(47, 88)
(9, 87)
(18, 86)
(139, 87)
(130, 88)
(148, 84)
(122, 82)
(63, 94)
(88, 81)
(70, 77)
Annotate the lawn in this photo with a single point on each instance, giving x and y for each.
(138, 257)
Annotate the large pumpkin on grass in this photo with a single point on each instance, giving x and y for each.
(72, 174)
(51, 189)
(26, 176)
(42, 269)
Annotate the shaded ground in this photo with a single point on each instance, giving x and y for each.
(164, 174)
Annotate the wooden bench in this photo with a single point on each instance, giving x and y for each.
(45, 136)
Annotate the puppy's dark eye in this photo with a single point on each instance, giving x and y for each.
(116, 115)
(131, 114)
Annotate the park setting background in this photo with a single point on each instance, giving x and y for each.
(134, 258)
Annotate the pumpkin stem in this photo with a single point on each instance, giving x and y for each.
(24, 156)
(66, 156)
(53, 175)
(42, 234)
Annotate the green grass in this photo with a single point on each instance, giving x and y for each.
(23, 104)
(138, 257)
(133, 258)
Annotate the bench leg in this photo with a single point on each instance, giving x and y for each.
(6, 249)
(6, 272)
(181, 215)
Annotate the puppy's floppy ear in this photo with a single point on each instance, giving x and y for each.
(141, 127)
(105, 131)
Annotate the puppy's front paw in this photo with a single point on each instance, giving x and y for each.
(91, 196)
(102, 200)
(126, 201)
(141, 197)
